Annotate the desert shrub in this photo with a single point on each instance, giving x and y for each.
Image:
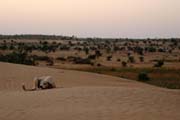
(116, 48)
(29, 61)
(61, 58)
(151, 49)
(124, 64)
(161, 50)
(139, 50)
(86, 50)
(128, 54)
(40, 58)
(99, 65)
(4, 47)
(92, 64)
(50, 62)
(11, 47)
(131, 59)
(113, 69)
(92, 57)
(119, 60)
(64, 47)
(143, 76)
(83, 61)
(18, 58)
(141, 58)
(98, 53)
(78, 48)
(79, 60)
(71, 58)
(109, 58)
(159, 63)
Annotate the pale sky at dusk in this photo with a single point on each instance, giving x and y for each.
(91, 18)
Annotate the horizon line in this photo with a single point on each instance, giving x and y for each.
(94, 37)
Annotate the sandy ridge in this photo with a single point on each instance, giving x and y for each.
(84, 96)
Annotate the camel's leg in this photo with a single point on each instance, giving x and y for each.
(35, 84)
(23, 87)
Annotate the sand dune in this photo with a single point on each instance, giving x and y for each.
(82, 96)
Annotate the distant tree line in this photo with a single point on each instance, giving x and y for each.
(36, 37)
(57, 37)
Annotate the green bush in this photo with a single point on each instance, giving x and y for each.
(18, 58)
(143, 76)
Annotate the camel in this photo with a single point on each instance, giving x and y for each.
(41, 83)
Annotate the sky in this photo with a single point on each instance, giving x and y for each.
(92, 18)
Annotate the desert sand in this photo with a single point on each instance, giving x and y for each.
(82, 96)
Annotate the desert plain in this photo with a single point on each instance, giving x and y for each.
(88, 87)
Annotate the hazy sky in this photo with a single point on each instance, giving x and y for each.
(91, 18)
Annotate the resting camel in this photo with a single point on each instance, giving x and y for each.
(39, 83)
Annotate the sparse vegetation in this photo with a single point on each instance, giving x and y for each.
(167, 78)
(124, 64)
(109, 58)
(159, 63)
(126, 58)
(131, 59)
(141, 58)
(143, 76)
(18, 58)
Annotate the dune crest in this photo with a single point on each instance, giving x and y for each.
(84, 96)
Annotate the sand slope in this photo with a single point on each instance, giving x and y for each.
(84, 96)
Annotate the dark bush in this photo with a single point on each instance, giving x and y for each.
(113, 69)
(50, 62)
(99, 65)
(92, 57)
(139, 50)
(151, 49)
(83, 61)
(40, 58)
(61, 58)
(119, 60)
(18, 58)
(141, 58)
(159, 63)
(124, 64)
(72, 58)
(109, 58)
(98, 53)
(79, 60)
(92, 64)
(143, 76)
(131, 59)
(86, 50)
